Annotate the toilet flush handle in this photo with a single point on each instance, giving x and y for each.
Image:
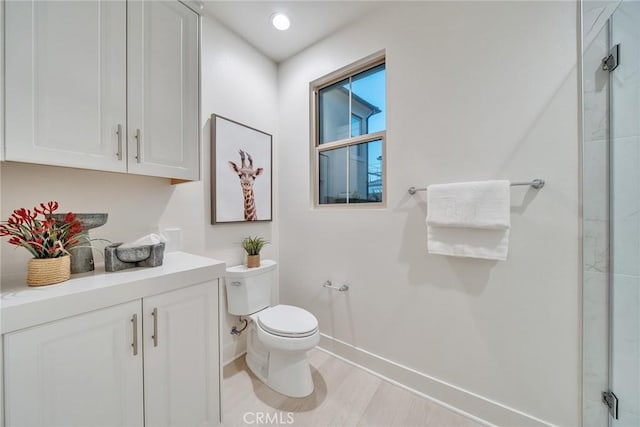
(235, 283)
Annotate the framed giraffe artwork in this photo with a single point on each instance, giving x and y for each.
(241, 172)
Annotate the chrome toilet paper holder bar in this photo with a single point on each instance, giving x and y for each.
(342, 288)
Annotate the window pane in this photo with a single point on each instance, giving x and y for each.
(334, 117)
(365, 172)
(363, 178)
(333, 176)
(368, 100)
(356, 125)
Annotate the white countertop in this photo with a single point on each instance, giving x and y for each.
(22, 306)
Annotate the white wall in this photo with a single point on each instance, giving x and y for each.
(241, 84)
(238, 83)
(475, 90)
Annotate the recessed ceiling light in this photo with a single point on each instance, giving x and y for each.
(280, 21)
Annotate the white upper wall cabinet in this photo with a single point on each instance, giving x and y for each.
(163, 72)
(1, 94)
(105, 85)
(66, 83)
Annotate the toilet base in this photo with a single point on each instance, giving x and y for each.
(286, 372)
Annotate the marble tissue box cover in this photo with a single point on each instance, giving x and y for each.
(116, 259)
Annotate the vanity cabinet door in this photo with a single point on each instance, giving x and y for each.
(163, 101)
(181, 357)
(79, 371)
(65, 75)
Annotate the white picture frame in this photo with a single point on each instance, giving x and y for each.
(241, 172)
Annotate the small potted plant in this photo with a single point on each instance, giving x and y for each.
(47, 239)
(253, 246)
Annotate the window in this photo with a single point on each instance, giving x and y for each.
(349, 135)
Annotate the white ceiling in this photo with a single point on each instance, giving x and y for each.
(311, 21)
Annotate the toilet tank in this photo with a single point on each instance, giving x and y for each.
(249, 289)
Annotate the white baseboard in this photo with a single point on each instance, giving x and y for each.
(471, 405)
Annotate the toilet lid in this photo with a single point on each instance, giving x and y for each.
(288, 321)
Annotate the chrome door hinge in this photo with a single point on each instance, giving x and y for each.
(610, 399)
(612, 61)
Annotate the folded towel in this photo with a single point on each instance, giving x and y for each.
(150, 239)
(468, 242)
(480, 204)
(469, 219)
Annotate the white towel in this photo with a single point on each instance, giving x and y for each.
(468, 242)
(149, 239)
(480, 204)
(469, 219)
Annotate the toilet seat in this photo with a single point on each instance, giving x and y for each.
(287, 321)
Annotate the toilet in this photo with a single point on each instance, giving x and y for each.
(278, 337)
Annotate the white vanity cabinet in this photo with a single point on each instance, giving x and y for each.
(181, 386)
(77, 371)
(108, 85)
(132, 348)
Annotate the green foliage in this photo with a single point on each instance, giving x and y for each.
(253, 245)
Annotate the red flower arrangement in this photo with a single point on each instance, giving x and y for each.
(43, 237)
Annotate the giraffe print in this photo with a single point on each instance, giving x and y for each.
(247, 175)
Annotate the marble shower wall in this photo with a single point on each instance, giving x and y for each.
(595, 211)
(611, 153)
(625, 189)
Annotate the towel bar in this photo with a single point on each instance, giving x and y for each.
(342, 288)
(536, 183)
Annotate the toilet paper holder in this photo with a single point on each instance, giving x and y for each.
(342, 288)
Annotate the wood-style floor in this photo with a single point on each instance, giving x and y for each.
(344, 395)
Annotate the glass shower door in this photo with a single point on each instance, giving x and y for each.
(624, 375)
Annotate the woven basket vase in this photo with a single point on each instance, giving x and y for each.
(253, 261)
(48, 271)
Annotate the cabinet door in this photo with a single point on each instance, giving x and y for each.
(66, 83)
(181, 377)
(79, 371)
(1, 110)
(163, 102)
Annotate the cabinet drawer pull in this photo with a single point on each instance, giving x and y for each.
(119, 133)
(134, 344)
(155, 327)
(138, 141)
